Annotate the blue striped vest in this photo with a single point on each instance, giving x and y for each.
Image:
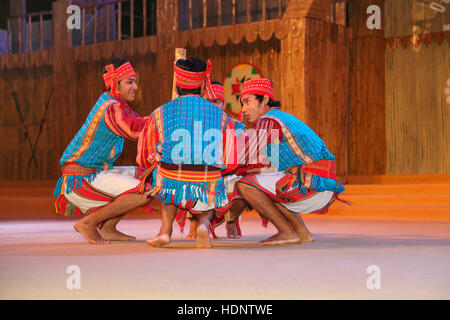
(94, 146)
(300, 145)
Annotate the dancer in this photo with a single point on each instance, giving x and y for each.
(222, 215)
(185, 148)
(302, 173)
(90, 185)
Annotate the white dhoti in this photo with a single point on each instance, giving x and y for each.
(266, 182)
(106, 186)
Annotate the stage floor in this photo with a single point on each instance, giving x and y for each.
(412, 257)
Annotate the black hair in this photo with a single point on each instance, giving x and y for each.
(272, 103)
(216, 82)
(117, 62)
(193, 64)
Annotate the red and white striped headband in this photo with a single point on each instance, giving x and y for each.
(192, 80)
(218, 91)
(258, 86)
(113, 76)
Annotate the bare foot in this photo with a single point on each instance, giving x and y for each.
(307, 238)
(192, 230)
(281, 239)
(297, 223)
(232, 230)
(303, 233)
(114, 235)
(191, 236)
(89, 232)
(159, 241)
(202, 239)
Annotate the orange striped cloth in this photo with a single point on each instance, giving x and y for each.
(321, 168)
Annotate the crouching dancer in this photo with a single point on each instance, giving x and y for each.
(186, 143)
(90, 185)
(302, 175)
(221, 214)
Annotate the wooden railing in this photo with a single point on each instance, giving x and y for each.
(127, 24)
(117, 7)
(27, 38)
(250, 14)
(114, 20)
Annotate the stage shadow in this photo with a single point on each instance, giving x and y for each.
(350, 241)
(322, 241)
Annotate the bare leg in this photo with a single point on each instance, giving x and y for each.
(108, 230)
(87, 226)
(265, 206)
(202, 231)
(232, 232)
(235, 211)
(169, 211)
(297, 223)
(192, 228)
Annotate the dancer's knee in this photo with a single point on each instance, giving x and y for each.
(241, 188)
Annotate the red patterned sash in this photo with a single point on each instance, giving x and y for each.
(321, 168)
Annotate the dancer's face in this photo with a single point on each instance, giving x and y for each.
(128, 88)
(218, 103)
(252, 109)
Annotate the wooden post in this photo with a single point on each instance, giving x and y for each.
(233, 12)
(367, 103)
(95, 24)
(248, 11)
(107, 22)
(292, 86)
(144, 17)
(41, 32)
(219, 12)
(9, 36)
(83, 25)
(64, 72)
(315, 83)
(264, 10)
(20, 34)
(205, 13)
(119, 21)
(280, 9)
(190, 14)
(30, 36)
(166, 16)
(16, 8)
(132, 19)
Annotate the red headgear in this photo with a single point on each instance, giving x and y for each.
(113, 76)
(258, 86)
(218, 91)
(192, 80)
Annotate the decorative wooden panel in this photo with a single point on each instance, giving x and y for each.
(417, 109)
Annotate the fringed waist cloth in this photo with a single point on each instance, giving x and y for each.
(72, 175)
(189, 172)
(189, 187)
(188, 182)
